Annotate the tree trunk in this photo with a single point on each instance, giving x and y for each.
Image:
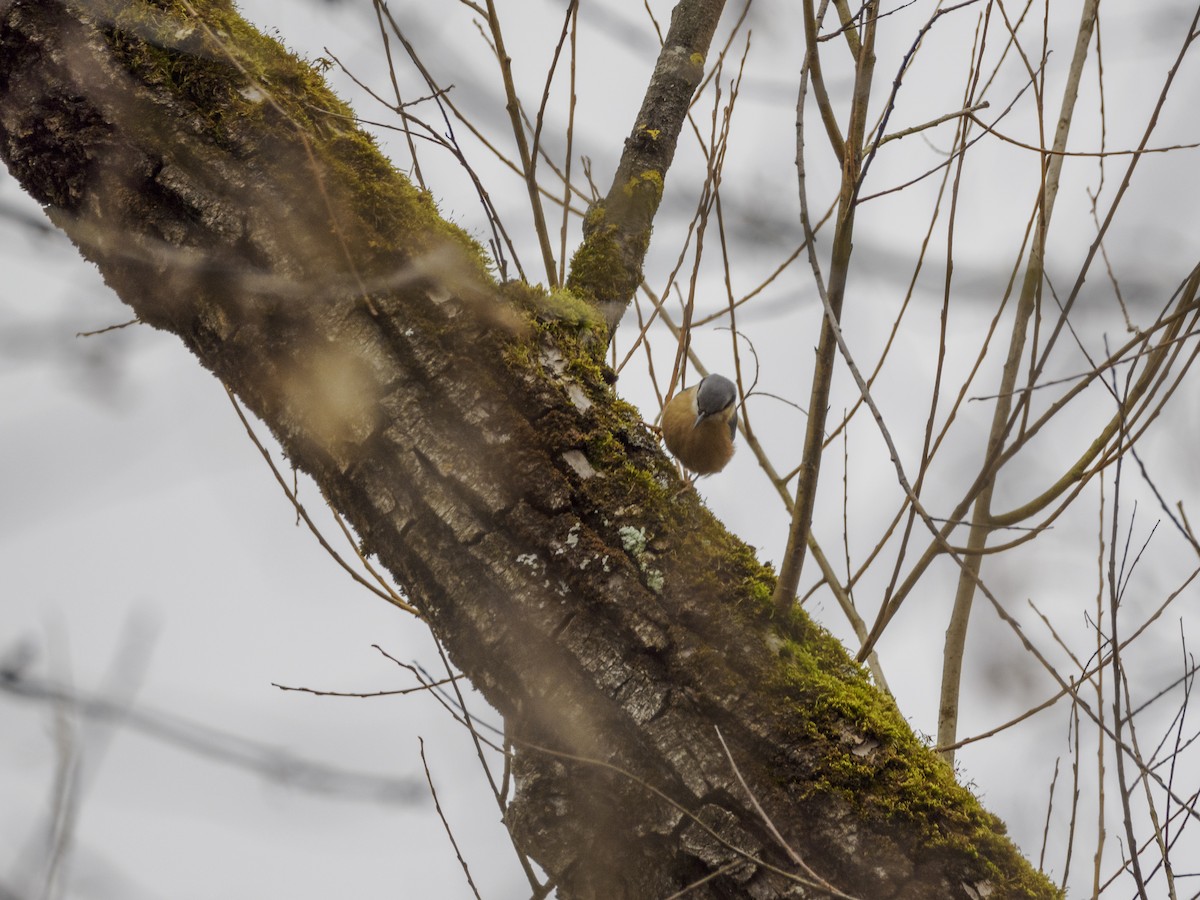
(470, 435)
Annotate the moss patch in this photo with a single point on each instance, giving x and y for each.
(867, 754)
(560, 307)
(250, 94)
(597, 272)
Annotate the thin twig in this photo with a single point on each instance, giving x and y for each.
(383, 590)
(445, 824)
(84, 334)
(762, 814)
(528, 161)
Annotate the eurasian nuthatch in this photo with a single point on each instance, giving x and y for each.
(698, 424)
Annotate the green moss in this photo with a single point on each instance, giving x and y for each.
(596, 265)
(896, 778)
(758, 582)
(568, 307)
(561, 306)
(248, 92)
(605, 450)
(758, 591)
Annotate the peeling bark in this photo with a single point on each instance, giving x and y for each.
(474, 443)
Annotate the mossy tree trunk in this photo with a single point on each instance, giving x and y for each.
(470, 435)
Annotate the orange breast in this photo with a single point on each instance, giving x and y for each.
(706, 448)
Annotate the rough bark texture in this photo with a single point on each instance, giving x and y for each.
(474, 443)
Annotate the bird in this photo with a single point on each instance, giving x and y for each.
(698, 424)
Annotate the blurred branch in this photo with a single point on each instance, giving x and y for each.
(270, 763)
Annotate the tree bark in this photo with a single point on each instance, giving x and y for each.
(470, 435)
(607, 266)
